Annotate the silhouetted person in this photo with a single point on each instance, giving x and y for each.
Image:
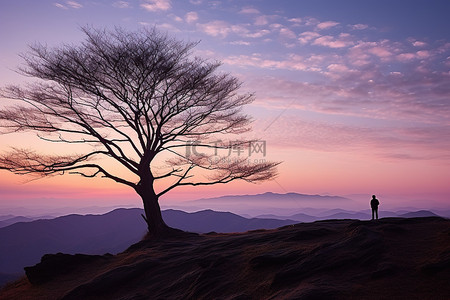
(374, 204)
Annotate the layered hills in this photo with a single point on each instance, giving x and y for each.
(24, 243)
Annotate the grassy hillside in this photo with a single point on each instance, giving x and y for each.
(391, 258)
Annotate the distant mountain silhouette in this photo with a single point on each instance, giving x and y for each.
(417, 214)
(273, 197)
(300, 217)
(266, 203)
(347, 215)
(24, 243)
(5, 217)
(209, 220)
(13, 219)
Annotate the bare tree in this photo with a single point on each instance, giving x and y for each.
(131, 96)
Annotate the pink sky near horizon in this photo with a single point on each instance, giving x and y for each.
(354, 100)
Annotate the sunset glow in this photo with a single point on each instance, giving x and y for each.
(352, 96)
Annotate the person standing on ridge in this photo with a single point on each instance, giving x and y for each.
(374, 205)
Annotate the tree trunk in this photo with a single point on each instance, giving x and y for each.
(155, 223)
(157, 228)
(153, 215)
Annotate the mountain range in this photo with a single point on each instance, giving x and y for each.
(264, 203)
(24, 243)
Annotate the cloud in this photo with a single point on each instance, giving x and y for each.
(309, 21)
(215, 28)
(406, 56)
(244, 43)
(257, 34)
(239, 30)
(219, 28)
(69, 4)
(419, 44)
(249, 10)
(307, 36)
(295, 20)
(359, 26)
(380, 52)
(74, 4)
(176, 18)
(261, 20)
(422, 54)
(156, 5)
(348, 73)
(196, 2)
(382, 49)
(191, 17)
(121, 4)
(287, 33)
(294, 62)
(409, 92)
(59, 5)
(332, 42)
(374, 128)
(168, 27)
(338, 68)
(419, 142)
(163, 26)
(326, 25)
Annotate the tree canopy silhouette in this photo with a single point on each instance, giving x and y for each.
(131, 97)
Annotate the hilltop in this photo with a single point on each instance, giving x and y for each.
(24, 243)
(332, 259)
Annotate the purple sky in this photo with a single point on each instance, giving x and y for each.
(353, 96)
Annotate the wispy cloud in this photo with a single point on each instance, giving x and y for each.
(380, 52)
(249, 10)
(59, 5)
(293, 63)
(168, 27)
(121, 4)
(307, 36)
(383, 142)
(68, 4)
(287, 33)
(383, 134)
(359, 26)
(326, 25)
(381, 49)
(191, 17)
(356, 83)
(74, 4)
(261, 20)
(176, 18)
(341, 41)
(215, 28)
(222, 29)
(419, 44)
(257, 33)
(244, 43)
(156, 5)
(295, 20)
